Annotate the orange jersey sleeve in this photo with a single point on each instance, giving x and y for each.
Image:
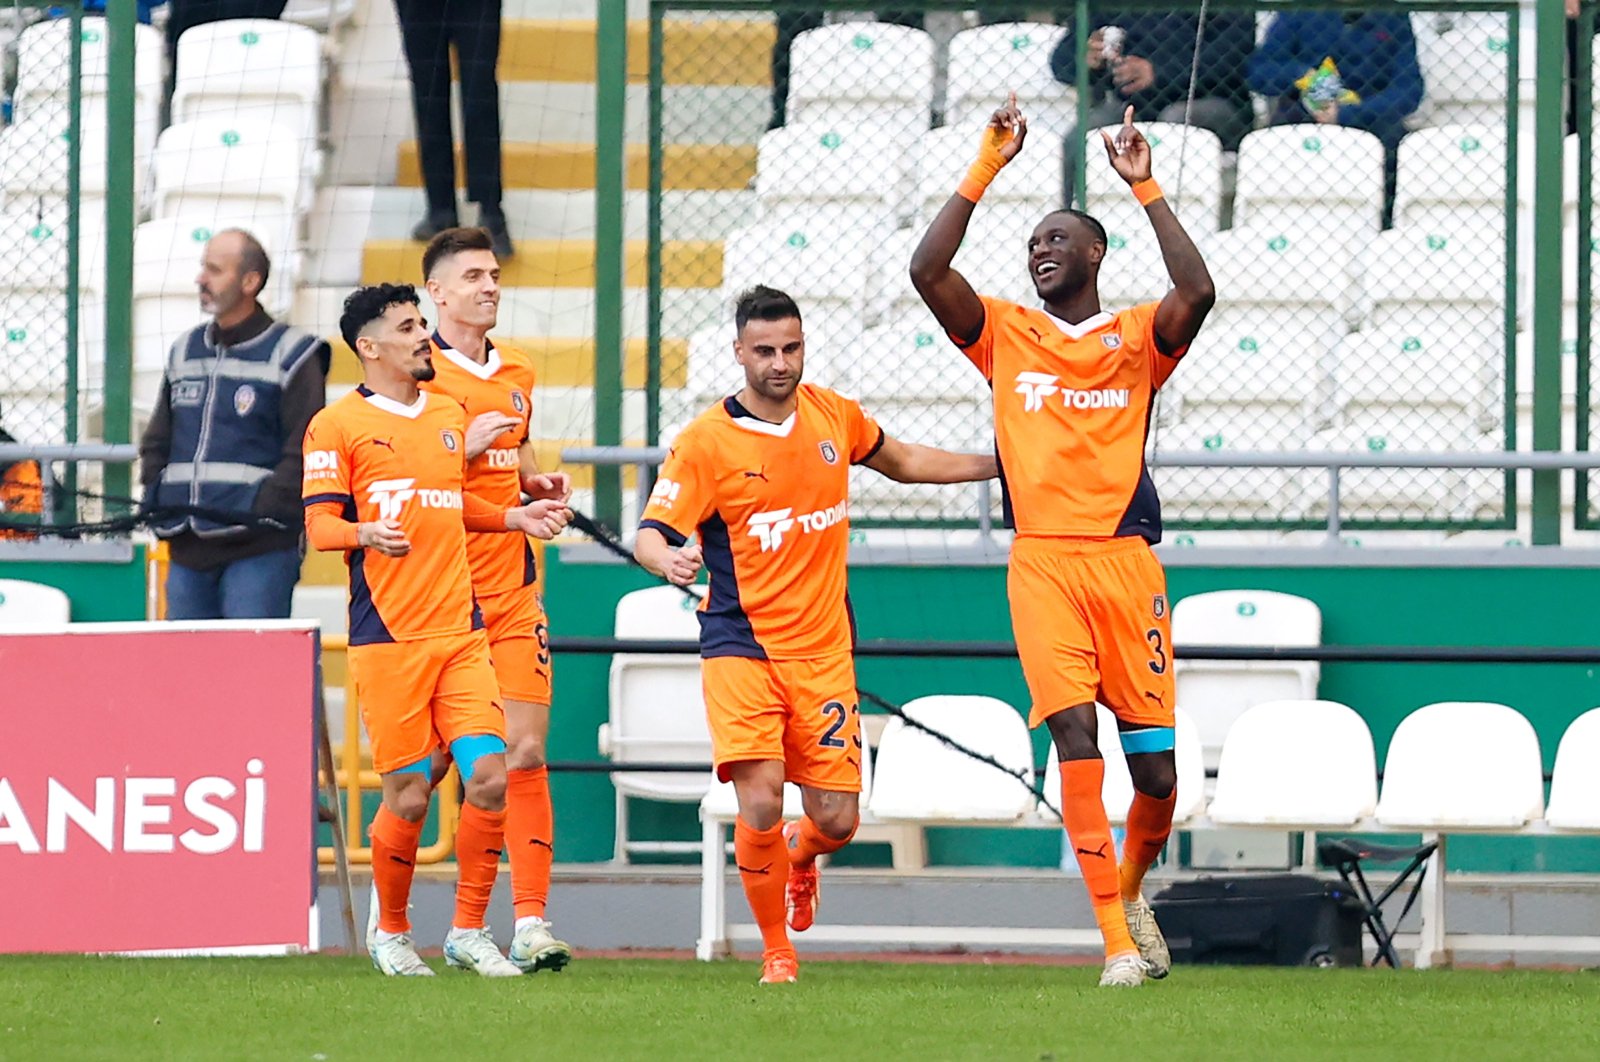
(369, 458)
(503, 384)
(981, 350)
(769, 504)
(1072, 405)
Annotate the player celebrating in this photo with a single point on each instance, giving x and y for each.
(762, 478)
(384, 469)
(1073, 387)
(495, 385)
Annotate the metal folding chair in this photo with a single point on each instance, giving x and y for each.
(1346, 856)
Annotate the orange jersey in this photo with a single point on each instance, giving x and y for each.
(370, 458)
(769, 504)
(1072, 406)
(503, 385)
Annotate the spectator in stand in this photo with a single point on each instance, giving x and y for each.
(225, 442)
(1350, 68)
(1147, 59)
(21, 492)
(427, 30)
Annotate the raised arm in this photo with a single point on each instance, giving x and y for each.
(910, 463)
(1184, 308)
(946, 292)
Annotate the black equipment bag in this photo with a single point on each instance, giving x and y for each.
(1261, 920)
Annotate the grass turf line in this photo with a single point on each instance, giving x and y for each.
(332, 1008)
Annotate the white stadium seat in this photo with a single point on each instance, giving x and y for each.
(1116, 792)
(251, 71)
(993, 257)
(26, 606)
(44, 67)
(1132, 271)
(34, 251)
(1197, 197)
(865, 71)
(1253, 363)
(33, 343)
(1294, 173)
(1436, 278)
(1031, 181)
(1190, 495)
(1296, 764)
(1575, 784)
(36, 156)
(919, 778)
(1217, 692)
(912, 358)
(657, 710)
(1425, 374)
(1401, 494)
(835, 168)
(1300, 266)
(1453, 171)
(1462, 766)
(36, 418)
(1015, 56)
(823, 266)
(1464, 70)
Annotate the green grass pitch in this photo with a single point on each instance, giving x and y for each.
(324, 1009)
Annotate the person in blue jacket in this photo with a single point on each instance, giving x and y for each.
(1374, 55)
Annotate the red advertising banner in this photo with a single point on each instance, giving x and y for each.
(156, 788)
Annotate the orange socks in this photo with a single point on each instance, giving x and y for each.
(480, 835)
(1090, 833)
(394, 862)
(807, 842)
(530, 839)
(764, 869)
(1149, 826)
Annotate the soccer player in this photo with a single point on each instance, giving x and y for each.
(1073, 389)
(494, 384)
(384, 471)
(761, 478)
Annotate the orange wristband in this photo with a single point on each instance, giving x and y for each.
(1147, 191)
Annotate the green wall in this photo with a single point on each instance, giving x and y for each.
(101, 591)
(1370, 605)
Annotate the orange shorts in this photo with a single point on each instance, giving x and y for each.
(419, 694)
(803, 712)
(1092, 623)
(519, 644)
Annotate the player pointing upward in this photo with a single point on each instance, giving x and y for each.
(1073, 391)
(762, 478)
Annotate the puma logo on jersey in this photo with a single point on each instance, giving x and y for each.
(1035, 387)
(387, 444)
(770, 527)
(391, 496)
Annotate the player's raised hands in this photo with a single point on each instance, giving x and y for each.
(1128, 151)
(1003, 136)
(485, 429)
(385, 537)
(683, 565)
(545, 518)
(554, 486)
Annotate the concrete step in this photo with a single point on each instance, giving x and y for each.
(559, 166)
(370, 117)
(344, 218)
(711, 52)
(561, 263)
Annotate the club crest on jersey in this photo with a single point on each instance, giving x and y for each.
(1159, 605)
(1113, 341)
(829, 454)
(449, 438)
(244, 399)
(517, 402)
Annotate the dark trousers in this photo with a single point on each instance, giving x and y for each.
(427, 30)
(185, 14)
